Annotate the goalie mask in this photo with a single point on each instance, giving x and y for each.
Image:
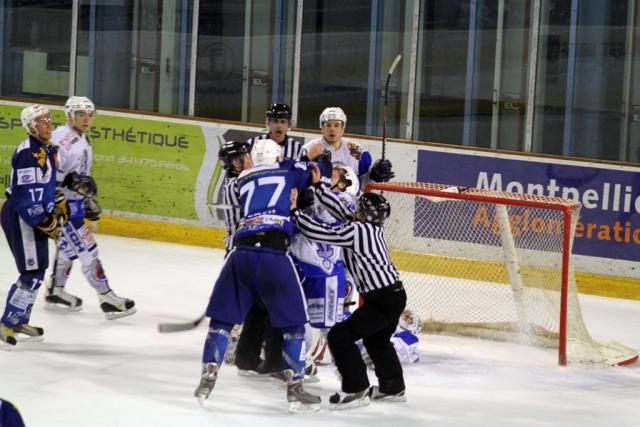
(230, 151)
(333, 113)
(372, 208)
(265, 152)
(410, 321)
(347, 177)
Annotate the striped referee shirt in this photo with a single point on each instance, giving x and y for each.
(289, 148)
(365, 250)
(232, 213)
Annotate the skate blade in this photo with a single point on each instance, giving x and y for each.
(391, 399)
(351, 405)
(301, 408)
(311, 379)
(27, 338)
(112, 315)
(5, 346)
(61, 308)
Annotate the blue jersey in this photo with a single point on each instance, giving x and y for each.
(33, 180)
(265, 196)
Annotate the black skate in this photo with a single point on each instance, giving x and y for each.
(260, 372)
(299, 400)
(7, 336)
(342, 400)
(56, 299)
(377, 396)
(207, 381)
(28, 333)
(310, 372)
(115, 307)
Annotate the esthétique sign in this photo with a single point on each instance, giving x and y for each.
(609, 225)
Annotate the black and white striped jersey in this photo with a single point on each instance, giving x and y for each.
(290, 148)
(365, 250)
(233, 213)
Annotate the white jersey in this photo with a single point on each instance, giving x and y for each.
(319, 259)
(75, 154)
(404, 342)
(350, 153)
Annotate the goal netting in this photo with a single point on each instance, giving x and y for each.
(494, 265)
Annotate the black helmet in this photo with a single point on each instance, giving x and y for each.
(279, 111)
(230, 151)
(374, 207)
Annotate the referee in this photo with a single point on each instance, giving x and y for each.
(378, 282)
(279, 123)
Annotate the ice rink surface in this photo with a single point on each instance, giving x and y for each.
(94, 372)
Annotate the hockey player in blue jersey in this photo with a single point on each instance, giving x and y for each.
(260, 266)
(33, 213)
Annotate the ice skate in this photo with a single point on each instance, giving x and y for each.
(342, 400)
(207, 381)
(260, 372)
(115, 307)
(7, 336)
(310, 372)
(377, 396)
(299, 400)
(28, 333)
(57, 299)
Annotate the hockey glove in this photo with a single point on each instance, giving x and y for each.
(84, 185)
(305, 199)
(51, 225)
(381, 171)
(91, 208)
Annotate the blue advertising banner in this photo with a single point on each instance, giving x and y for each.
(609, 225)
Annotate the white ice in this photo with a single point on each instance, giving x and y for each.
(94, 372)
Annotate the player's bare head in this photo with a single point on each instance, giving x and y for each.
(372, 208)
(234, 155)
(278, 120)
(332, 123)
(80, 112)
(36, 120)
(345, 179)
(265, 152)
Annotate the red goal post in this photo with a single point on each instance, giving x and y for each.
(493, 265)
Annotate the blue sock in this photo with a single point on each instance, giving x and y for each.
(21, 297)
(294, 350)
(216, 343)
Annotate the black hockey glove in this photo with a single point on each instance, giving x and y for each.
(92, 209)
(305, 199)
(84, 185)
(59, 215)
(381, 171)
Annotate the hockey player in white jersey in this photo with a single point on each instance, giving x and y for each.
(325, 282)
(333, 122)
(76, 241)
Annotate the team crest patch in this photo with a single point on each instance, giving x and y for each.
(355, 150)
(41, 157)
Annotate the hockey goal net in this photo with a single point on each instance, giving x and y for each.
(494, 265)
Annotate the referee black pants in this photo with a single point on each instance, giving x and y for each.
(375, 322)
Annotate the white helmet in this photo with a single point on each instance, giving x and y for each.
(410, 321)
(29, 115)
(265, 152)
(78, 103)
(354, 183)
(333, 113)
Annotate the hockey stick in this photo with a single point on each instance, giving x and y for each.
(168, 327)
(394, 64)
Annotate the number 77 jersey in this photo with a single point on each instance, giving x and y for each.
(265, 196)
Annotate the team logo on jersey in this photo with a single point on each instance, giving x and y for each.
(26, 176)
(325, 252)
(355, 150)
(41, 157)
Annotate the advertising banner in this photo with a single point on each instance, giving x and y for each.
(609, 226)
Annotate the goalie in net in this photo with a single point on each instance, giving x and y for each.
(493, 265)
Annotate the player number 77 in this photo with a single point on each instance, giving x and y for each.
(250, 187)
